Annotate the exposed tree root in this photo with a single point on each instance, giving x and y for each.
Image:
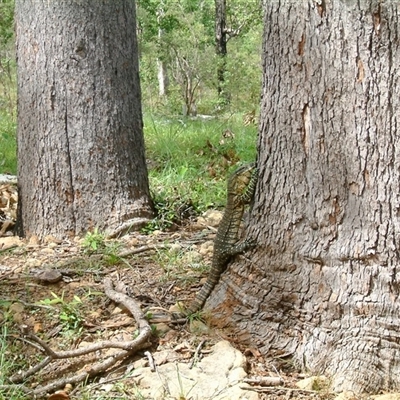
(133, 224)
(127, 348)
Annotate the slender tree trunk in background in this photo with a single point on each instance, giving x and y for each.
(162, 76)
(81, 161)
(221, 39)
(323, 284)
(162, 72)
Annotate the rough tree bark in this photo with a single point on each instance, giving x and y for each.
(323, 284)
(81, 160)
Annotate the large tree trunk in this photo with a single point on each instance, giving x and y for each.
(323, 284)
(81, 160)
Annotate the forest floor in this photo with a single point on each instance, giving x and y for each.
(55, 290)
(74, 310)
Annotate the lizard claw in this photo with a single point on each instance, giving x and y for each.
(250, 243)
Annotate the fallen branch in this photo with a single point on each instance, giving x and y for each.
(142, 249)
(151, 361)
(133, 224)
(128, 348)
(278, 390)
(264, 380)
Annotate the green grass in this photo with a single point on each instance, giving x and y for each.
(6, 369)
(8, 146)
(8, 91)
(189, 160)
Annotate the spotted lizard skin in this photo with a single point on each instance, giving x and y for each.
(241, 187)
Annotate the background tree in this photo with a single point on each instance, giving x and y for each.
(81, 157)
(221, 40)
(187, 49)
(230, 22)
(322, 286)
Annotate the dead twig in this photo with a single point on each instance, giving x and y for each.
(8, 273)
(128, 348)
(151, 361)
(133, 224)
(142, 249)
(196, 354)
(264, 380)
(277, 389)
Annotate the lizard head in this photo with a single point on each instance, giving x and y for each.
(242, 183)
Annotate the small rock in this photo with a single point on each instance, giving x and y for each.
(387, 396)
(313, 383)
(141, 363)
(51, 239)
(34, 241)
(33, 263)
(347, 396)
(165, 356)
(207, 248)
(48, 276)
(10, 241)
(16, 310)
(107, 387)
(198, 328)
(47, 251)
(116, 311)
(133, 242)
(212, 217)
(177, 308)
(162, 328)
(213, 377)
(121, 310)
(198, 225)
(17, 307)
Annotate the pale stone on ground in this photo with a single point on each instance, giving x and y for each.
(210, 218)
(10, 241)
(217, 376)
(313, 383)
(388, 396)
(346, 396)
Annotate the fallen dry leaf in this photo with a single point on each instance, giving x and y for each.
(59, 395)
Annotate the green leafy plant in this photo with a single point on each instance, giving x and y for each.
(94, 241)
(70, 315)
(111, 250)
(8, 154)
(197, 316)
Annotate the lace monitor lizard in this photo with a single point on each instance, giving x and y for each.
(241, 186)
